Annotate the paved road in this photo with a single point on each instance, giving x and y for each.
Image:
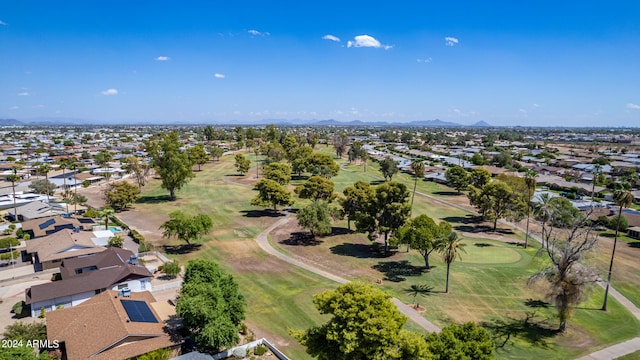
(263, 242)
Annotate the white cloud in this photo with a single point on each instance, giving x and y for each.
(331, 37)
(24, 93)
(110, 92)
(424, 61)
(3, 23)
(14, 107)
(218, 75)
(367, 41)
(163, 58)
(536, 105)
(451, 41)
(258, 33)
(633, 106)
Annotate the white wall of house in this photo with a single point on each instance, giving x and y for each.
(137, 285)
(66, 301)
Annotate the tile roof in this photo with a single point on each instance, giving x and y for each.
(100, 329)
(63, 244)
(36, 225)
(112, 256)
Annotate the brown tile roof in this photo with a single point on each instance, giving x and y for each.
(93, 280)
(100, 329)
(62, 245)
(112, 256)
(35, 226)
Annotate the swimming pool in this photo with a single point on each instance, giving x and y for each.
(115, 229)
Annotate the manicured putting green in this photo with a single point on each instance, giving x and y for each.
(484, 251)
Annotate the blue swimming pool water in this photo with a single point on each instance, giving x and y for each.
(115, 229)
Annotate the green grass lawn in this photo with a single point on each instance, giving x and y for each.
(487, 286)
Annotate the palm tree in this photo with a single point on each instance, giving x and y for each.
(623, 198)
(422, 290)
(106, 212)
(530, 180)
(596, 172)
(450, 248)
(63, 163)
(13, 178)
(543, 211)
(44, 169)
(73, 165)
(417, 167)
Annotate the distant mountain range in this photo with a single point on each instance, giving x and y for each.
(280, 122)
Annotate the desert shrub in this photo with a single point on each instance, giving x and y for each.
(260, 350)
(613, 222)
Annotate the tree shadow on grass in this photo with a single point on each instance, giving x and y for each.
(536, 332)
(340, 231)
(153, 199)
(300, 238)
(262, 213)
(482, 245)
(181, 249)
(634, 244)
(377, 182)
(361, 251)
(446, 193)
(467, 223)
(397, 271)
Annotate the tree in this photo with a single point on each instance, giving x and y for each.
(209, 133)
(106, 213)
(45, 169)
(569, 239)
(457, 177)
(464, 341)
(417, 166)
(63, 163)
(624, 198)
(103, 158)
(186, 228)
(494, 201)
(422, 234)
(74, 166)
(289, 143)
(210, 305)
(43, 186)
(355, 151)
(316, 188)
(116, 241)
(322, 164)
(316, 218)
(242, 164)
(139, 169)
(120, 194)
(479, 177)
(450, 248)
(298, 158)
(340, 143)
(273, 151)
(278, 172)
(388, 167)
(385, 212)
(477, 159)
(530, 180)
(170, 162)
(216, 152)
(365, 324)
(355, 199)
(197, 155)
(270, 193)
(171, 269)
(14, 178)
(542, 211)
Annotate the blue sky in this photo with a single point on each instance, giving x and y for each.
(548, 63)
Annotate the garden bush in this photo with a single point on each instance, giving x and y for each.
(260, 350)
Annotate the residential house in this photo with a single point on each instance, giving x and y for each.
(46, 226)
(110, 326)
(634, 232)
(84, 277)
(36, 210)
(49, 251)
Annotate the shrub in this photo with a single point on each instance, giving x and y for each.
(15, 254)
(43, 313)
(12, 226)
(171, 269)
(91, 213)
(624, 224)
(242, 329)
(26, 236)
(18, 308)
(144, 246)
(19, 232)
(260, 350)
(240, 353)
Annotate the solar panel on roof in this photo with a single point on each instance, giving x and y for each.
(46, 224)
(138, 311)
